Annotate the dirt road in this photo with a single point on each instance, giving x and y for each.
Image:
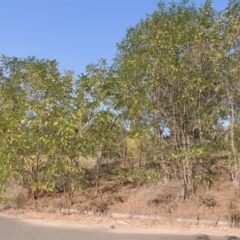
(19, 229)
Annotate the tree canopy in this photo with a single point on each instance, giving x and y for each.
(172, 86)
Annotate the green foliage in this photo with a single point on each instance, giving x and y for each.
(39, 121)
(170, 72)
(175, 77)
(142, 176)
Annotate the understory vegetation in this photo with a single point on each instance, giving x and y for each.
(167, 109)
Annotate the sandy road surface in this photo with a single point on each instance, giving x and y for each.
(19, 228)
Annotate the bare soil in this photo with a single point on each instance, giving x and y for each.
(130, 224)
(219, 204)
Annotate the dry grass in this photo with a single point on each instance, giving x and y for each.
(221, 203)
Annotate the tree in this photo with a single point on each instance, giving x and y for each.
(106, 136)
(38, 122)
(230, 22)
(166, 81)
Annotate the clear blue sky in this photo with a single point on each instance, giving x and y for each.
(74, 32)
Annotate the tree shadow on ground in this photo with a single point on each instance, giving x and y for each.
(203, 237)
(206, 237)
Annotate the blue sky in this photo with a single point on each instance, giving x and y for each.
(74, 32)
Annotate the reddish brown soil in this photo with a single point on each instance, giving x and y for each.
(221, 203)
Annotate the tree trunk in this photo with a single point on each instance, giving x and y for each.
(99, 160)
(235, 168)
